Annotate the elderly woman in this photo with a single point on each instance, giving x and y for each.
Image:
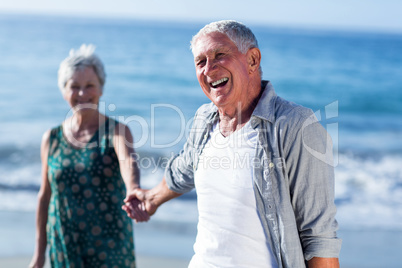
(87, 167)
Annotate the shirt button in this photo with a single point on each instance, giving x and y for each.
(271, 165)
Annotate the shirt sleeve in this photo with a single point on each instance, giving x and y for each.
(310, 169)
(179, 173)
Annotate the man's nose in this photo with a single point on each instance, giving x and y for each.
(210, 67)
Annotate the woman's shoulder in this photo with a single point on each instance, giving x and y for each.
(51, 132)
(117, 126)
(48, 136)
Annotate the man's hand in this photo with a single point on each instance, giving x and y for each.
(136, 208)
(140, 203)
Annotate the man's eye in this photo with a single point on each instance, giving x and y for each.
(201, 63)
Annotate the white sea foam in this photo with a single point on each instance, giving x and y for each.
(369, 192)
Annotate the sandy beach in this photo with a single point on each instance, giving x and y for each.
(161, 246)
(360, 249)
(17, 232)
(142, 262)
(165, 246)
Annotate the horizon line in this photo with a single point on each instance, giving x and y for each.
(252, 23)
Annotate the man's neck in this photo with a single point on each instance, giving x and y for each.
(234, 118)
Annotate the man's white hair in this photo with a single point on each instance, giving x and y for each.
(239, 33)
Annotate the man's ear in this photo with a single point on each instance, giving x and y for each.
(253, 59)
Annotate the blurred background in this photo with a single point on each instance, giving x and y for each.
(343, 59)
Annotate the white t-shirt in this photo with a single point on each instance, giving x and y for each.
(230, 233)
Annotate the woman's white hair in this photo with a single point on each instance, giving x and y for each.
(239, 33)
(79, 59)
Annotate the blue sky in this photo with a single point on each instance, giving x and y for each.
(368, 15)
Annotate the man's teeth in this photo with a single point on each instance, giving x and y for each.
(219, 81)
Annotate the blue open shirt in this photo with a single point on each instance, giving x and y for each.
(293, 177)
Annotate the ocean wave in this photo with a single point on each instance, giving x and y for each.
(368, 190)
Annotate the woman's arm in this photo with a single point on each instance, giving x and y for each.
(38, 259)
(123, 144)
(150, 199)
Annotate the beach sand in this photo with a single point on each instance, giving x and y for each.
(360, 249)
(142, 262)
(160, 245)
(153, 249)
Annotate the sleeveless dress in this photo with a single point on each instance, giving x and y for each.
(86, 226)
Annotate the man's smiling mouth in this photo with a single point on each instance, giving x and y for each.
(220, 82)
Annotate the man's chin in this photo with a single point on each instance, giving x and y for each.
(221, 102)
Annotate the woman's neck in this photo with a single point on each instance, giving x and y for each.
(82, 126)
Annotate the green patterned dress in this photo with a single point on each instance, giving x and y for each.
(86, 226)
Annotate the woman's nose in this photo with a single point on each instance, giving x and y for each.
(81, 91)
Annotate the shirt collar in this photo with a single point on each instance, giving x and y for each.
(264, 109)
(266, 104)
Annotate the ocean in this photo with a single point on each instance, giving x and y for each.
(352, 80)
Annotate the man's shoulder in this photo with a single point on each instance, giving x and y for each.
(274, 108)
(206, 112)
(291, 110)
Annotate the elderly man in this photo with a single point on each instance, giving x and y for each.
(260, 165)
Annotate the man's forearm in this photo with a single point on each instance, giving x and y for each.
(161, 193)
(317, 262)
(157, 196)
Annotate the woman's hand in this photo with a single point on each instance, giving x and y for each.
(147, 201)
(134, 207)
(37, 261)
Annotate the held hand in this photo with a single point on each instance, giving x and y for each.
(146, 199)
(150, 199)
(37, 262)
(135, 205)
(135, 209)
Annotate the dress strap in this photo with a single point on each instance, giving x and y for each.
(54, 139)
(106, 133)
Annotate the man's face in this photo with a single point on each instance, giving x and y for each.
(222, 70)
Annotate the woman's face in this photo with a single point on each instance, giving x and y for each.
(83, 90)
